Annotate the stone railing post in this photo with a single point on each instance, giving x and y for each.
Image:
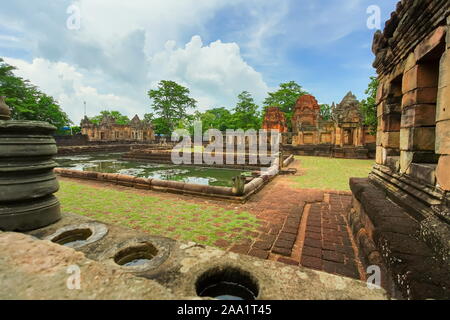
(238, 185)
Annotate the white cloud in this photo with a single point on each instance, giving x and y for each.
(259, 26)
(216, 73)
(107, 20)
(8, 39)
(124, 48)
(68, 87)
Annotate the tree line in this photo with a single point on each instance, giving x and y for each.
(27, 102)
(171, 104)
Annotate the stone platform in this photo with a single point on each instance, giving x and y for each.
(328, 150)
(310, 231)
(38, 269)
(104, 147)
(390, 237)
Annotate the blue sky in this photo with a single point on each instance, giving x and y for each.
(216, 48)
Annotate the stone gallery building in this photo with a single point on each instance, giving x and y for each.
(401, 213)
(343, 136)
(109, 130)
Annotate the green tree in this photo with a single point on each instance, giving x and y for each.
(216, 118)
(27, 102)
(206, 118)
(148, 117)
(285, 98)
(159, 126)
(171, 102)
(325, 111)
(223, 119)
(76, 129)
(119, 117)
(369, 107)
(187, 123)
(246, 114)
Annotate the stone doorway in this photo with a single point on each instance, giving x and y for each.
(348, 137)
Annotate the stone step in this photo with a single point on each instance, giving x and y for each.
(416, 269)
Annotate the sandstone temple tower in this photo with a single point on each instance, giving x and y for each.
(306, 113)
(350, 130)
(275, 120)
(343, 136)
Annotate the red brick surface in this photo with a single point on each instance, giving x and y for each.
(323, 243)
(296, 226)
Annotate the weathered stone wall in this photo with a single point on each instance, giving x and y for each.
(241, 190)
(412, 63)
(72, 140)
(404, 206)
(326, 150)
(412, 59)
(228, 160)
(105, 147)
(344, 136)
(389, 237)
(109, 130)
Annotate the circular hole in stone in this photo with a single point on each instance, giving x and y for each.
(227, 284)
(136, 255)
(72, 237)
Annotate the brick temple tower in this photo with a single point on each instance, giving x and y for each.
(306, 113)
(274, 119)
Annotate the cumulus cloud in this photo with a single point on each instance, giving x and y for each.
(123, 49)
(68, 87)
(216, 73)
(216, 48)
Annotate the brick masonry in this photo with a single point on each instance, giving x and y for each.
(296, 226)
(303, 227)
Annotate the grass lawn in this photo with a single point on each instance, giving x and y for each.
(202, 223)
(330, 173)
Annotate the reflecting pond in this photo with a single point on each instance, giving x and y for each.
(111, 163)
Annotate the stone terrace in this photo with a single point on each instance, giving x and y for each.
(303, 227)
(297, 226)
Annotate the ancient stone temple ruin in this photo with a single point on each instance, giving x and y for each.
(343, 136)
(305, 121)
(349, 128)
(401, 213)
(108, 261)
(109, 130)
(275, 119)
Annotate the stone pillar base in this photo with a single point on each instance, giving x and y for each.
(390, 237)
